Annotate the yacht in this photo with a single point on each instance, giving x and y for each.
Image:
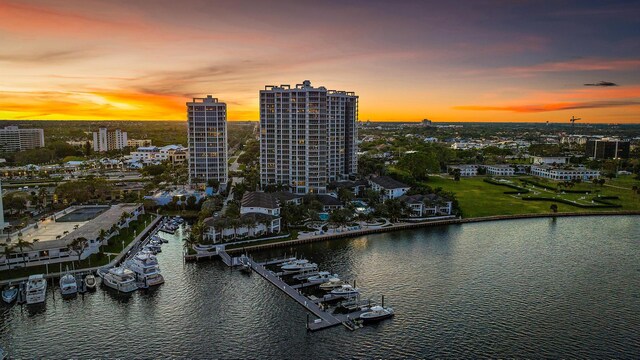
(90, 282)
(146, 268)
(345, 290)
(121, 279)
(68, 285)
(301, 266)
(332, 284)
(294, 262)
(36, 289)
(9, 294)
(376, 313)
(152, 248)
(323, 276)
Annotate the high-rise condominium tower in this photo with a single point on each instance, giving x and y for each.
(13, 138)
(105, 140)
(207, 121)
(307, 136)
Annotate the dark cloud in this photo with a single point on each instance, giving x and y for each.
(38, 57)
(602, 83)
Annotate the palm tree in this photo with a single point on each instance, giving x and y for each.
(7, 252)
(23, 244)
(554, 208)
(190, 241)
(78, 245)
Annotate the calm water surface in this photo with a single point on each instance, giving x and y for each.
(521, 288)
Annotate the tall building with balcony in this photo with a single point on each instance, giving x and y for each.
(105, 140)
(207, 124)
(607, 149)
(13, 138)
(307, 136)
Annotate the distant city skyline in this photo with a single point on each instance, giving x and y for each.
(467, 61)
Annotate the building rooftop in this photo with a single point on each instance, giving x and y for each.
(388, 182)
(259, 199)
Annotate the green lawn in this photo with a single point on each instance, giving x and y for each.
(479, 198)
(115, 246)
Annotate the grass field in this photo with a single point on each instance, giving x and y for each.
(479, 198)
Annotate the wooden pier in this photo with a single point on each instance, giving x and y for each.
(326, 319)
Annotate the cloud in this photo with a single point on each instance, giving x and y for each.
(602, 83)
(550, 107)
(591, 64)
(46, 57)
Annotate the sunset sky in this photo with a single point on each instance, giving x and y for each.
(407, 60)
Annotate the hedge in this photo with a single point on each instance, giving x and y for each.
(521, 190)
(602, 204)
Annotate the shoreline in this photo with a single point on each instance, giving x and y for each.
(410, 226)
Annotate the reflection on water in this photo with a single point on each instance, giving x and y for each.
(527, 288)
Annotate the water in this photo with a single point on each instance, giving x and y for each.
(522, 288)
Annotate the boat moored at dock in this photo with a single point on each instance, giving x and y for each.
(36, 289)
(68, 285)
(146, 269)
(120, 279)
(90, 282)
(345, 290)
(376, 313)
(10, 294)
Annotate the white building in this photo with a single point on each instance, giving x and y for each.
(427, 205)
(154, 154)
(465, 170)
(564, 174)
(308, 136)
(13, 138)
(135, 143)
(388, 187)
(207, 122)
(259, 215)
(105, 140)
(500, 170)
(550, 160)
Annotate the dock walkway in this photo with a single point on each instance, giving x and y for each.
(326, 319)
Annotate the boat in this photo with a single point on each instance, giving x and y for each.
(121, 279)
(154, 249)
(146, 269)
(68, 285)
(245, 266)
(345, 290)
(10, 294)
(299, 265)
(376, 313)
(36, 289)
(332, 284)
(90, 282)
(323, 276)
(294, 262)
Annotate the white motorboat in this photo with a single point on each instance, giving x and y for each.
(152, 248)
(332, 284)
(294, 262)
(146, 268)
(121, 279)
(301, 266)
(36, 289)
(345, 290)
(90, 282)
(376, 313)
(323, 276)
(68, 285)
(9, 294)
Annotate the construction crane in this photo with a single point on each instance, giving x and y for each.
(573, 120)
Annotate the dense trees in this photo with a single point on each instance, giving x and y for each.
(81, 191)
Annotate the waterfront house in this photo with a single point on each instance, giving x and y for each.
(427, 205)
(389, 188)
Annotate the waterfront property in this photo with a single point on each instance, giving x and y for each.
(427, 205)
(388, 187)
(51, 240)
(207, 123)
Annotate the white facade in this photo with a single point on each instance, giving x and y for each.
(500, 170)
(394, 189)
(154, 154)
(13, 138)
(207, 123)
(308, 136)
(548, 172)
(465, 170)
(105, 140)
(550, 160)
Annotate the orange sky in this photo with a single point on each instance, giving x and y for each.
(143, 60)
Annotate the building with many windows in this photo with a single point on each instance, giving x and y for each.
(105, 140)
(207, 123)
(607, 149)
(564, 174)
(13, 138)
(307, 136)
